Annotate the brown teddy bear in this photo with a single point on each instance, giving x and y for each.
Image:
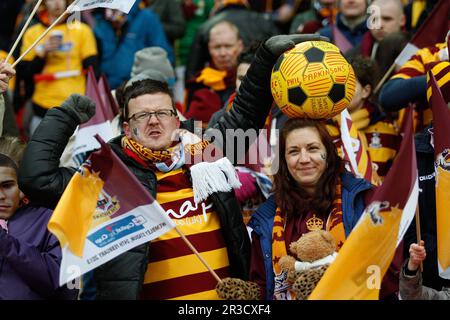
(315, 250)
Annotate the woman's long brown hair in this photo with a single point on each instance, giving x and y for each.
(291, 198)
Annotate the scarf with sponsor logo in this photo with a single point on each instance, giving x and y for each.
(207, 177)
(334, 225)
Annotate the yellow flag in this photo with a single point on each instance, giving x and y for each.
(357, 272)
(443, 220)
(356, 150)
(72, 217)
(441, 137)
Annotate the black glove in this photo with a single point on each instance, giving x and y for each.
(280, 44)
(80, 106)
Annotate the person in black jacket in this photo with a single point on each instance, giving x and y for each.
(150, 153)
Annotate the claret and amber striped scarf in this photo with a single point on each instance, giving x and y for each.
(334, 225)
(207, 177)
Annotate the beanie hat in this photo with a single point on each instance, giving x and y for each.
(152, 59)
(148, 74)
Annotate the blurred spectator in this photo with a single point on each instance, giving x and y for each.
(253, 26)
(321, 14)
(409, 84)
(417, 12)
(350, 22)
(196, 12)
(244, 61)
(56, 64)
(120, 36)
(388, 18)
(280, 11)
(171, 15)
(386, 38)
(211, 88)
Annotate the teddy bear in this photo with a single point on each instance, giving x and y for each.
(315, 250)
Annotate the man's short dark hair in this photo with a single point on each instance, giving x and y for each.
(142, 87)
(7, 162)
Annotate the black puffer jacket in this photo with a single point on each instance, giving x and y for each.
(42, 180)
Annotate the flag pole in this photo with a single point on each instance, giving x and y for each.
(36, 7)
(383, 80)
(46, 32)
(418, 232)
(198, 254)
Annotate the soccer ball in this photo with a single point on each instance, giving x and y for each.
(312, 80)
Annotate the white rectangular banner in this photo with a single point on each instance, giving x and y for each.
(122, 5)
(114, 237)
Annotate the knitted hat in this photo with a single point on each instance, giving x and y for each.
(152, 59)
(148, 74)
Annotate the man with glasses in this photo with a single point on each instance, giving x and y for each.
(174, 165)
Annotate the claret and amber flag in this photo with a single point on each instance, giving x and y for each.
(363, 260)
(441, 136)
(103, 212)
(100, 123)
(106, 95)
(432, 31)
(355, 151)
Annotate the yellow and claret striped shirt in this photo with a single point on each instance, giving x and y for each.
(174, 271)
(418, 65)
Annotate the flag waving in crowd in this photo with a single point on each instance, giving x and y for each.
(441, 136)
(431, 32)
(100, 123)
(367, 253)
(104, 212)
(354, 147)
(122, 5)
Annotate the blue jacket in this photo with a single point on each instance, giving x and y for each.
(262, 220)
(143, 29)
(30, 258)
(353, 35)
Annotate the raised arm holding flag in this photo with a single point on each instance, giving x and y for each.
(56, 63)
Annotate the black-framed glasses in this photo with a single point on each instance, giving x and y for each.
(145, 116)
